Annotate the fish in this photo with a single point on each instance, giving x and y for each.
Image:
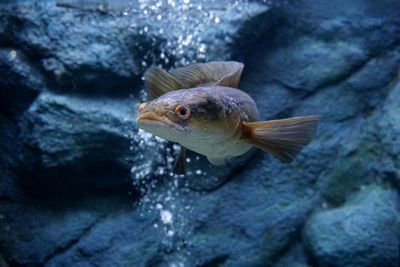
(201, 108)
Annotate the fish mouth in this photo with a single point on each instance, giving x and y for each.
(152, 119)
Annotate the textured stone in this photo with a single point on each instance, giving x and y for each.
(105, 47)
(10, 148)
(33, 235)
(295, 257)
(364, 232)
(276, 208)
(70, 135)
(20, 82)
(338, 59)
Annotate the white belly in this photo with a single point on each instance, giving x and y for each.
(225, 148)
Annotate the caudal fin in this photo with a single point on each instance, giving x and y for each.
(284, 139)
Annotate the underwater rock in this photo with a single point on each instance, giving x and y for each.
(372, 154)
(385, 127)
(133, 243)
(34, 234)
(3, 262)
(195, 229)
(77, 134)
(364, 232)
(11, 148)
(293, 71)
(276, 207)
(105, 47)
(20, 82)
(338, 59)
(295, 257)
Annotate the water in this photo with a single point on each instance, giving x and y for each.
(81, 185)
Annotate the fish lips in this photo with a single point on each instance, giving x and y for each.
(151, 119)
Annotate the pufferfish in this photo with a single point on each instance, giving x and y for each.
(201, 108)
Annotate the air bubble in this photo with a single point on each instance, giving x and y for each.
(166, 216)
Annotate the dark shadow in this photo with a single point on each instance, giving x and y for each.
(215, 262)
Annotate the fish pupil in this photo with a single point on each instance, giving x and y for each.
(182, 112)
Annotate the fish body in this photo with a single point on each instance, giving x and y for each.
(214, 128)
(200, 108)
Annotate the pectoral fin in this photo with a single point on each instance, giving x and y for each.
(180, 162)
(284, 139)
(216, 161)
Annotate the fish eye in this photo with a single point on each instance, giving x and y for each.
(182, 112)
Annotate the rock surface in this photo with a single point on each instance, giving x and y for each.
(100, 47)
(364, 232)
(73, 134)
(81, 186)
(20, 82)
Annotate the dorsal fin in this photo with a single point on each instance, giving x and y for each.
(231, 80)
(213, 73)
(159, 82)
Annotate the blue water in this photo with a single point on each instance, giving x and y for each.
(81, 185)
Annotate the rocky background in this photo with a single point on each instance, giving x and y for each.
(81, 186)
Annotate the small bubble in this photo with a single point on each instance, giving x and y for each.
(13, 54)
(170, 233)
(171, 3)
(166, 216)
(202, 48)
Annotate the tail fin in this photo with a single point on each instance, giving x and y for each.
(284, 139)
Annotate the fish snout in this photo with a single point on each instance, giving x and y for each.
(150, 116)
